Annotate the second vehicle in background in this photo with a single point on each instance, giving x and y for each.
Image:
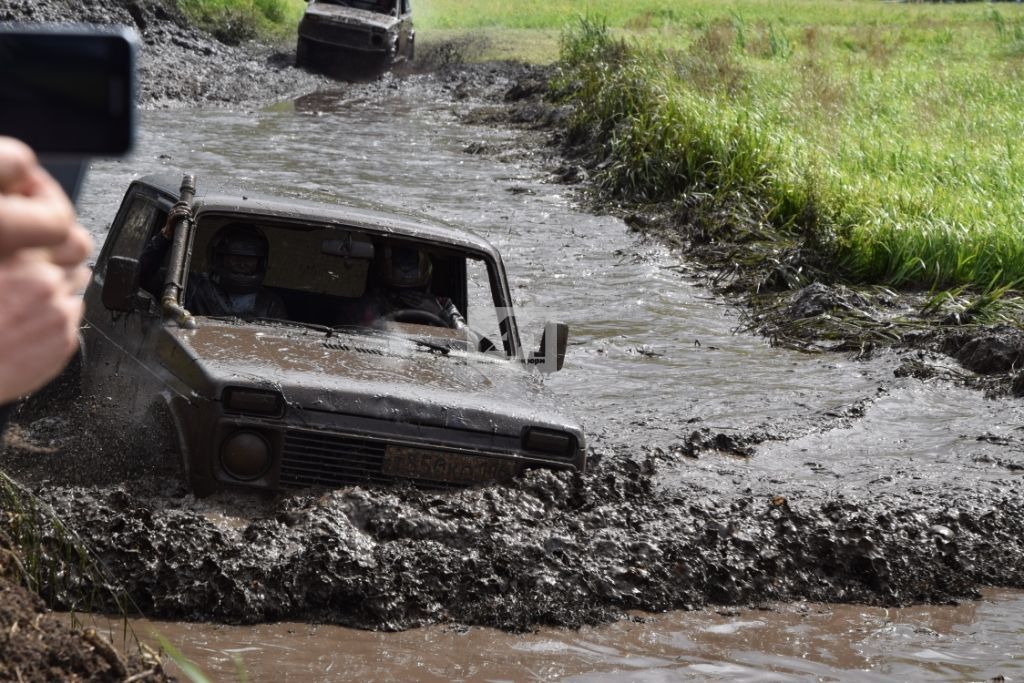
(355, 39)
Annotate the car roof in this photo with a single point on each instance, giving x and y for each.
(217, 199)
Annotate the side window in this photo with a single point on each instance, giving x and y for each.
(481, 314)
(136, 228)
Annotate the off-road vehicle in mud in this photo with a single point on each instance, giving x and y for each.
(355, 39)
(326, 397)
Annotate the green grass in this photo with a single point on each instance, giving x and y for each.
(234, 21)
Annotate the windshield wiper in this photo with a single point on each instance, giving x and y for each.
(432, 347)
(277, 322)
(293, 323)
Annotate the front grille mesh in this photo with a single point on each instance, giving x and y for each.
(337, 35)
(318, 459)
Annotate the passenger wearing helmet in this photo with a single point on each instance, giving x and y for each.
(237, 264)
(403, 291)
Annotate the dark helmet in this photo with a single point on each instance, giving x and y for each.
(238, 258)
(405, 267)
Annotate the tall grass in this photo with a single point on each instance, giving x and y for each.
(235, 21)
(890, 133)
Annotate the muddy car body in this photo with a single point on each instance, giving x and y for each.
(276, 404)
(355, 39)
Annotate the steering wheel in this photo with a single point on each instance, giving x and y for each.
(415, 316)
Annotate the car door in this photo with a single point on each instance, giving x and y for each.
(116, 358)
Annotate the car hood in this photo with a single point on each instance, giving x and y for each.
(379, 376)
(339, 14)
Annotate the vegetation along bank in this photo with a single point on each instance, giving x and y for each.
(807, 148)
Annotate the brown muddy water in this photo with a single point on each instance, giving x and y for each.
(653, 361)
(976, 640)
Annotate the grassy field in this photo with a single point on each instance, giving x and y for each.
(890, 133)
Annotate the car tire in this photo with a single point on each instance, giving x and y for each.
(302, 52)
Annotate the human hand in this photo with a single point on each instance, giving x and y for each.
(181, 210)
(42, 250)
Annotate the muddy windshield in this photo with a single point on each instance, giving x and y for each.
(347, 279)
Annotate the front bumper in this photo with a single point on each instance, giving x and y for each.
(328, 449)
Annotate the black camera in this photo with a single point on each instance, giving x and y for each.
(68, 92)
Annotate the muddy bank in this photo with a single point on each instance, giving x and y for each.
(179, 64)
(38, 646)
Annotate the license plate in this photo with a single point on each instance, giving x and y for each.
(451, 468)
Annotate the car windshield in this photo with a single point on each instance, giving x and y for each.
(380, 6)
(332, 278)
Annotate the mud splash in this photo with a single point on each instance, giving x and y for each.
(553, 549)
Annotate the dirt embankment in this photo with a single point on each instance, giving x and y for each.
(38, 646)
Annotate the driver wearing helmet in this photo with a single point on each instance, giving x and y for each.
(237, 264)
(403, 292)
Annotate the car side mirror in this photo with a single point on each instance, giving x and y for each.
(553, 342)
(121, 284)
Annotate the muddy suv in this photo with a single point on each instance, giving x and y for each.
(349, 384)
(355, 39)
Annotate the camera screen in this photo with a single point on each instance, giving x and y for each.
(68, 92)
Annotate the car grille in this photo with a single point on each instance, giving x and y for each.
(336, 34)
(318, 459)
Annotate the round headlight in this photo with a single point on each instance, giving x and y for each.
(245, 455)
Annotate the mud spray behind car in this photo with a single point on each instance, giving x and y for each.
(355, 39)
(326, 396)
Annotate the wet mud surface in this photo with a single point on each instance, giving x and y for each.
(864, 474)
(180, 65)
